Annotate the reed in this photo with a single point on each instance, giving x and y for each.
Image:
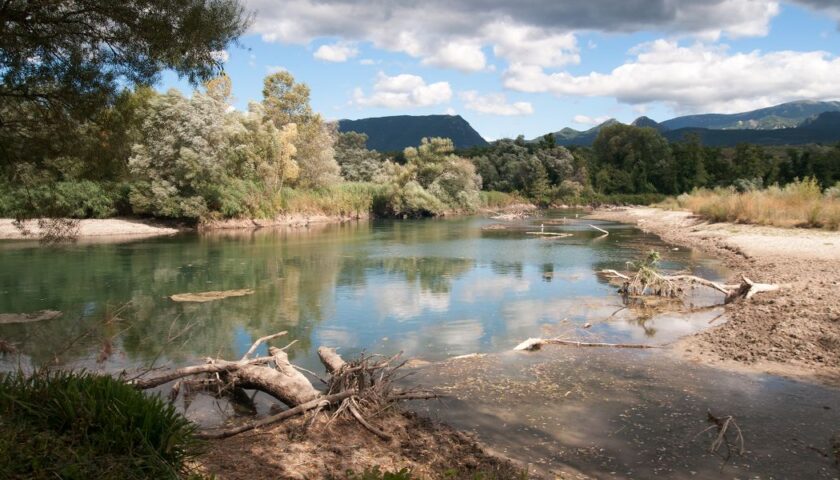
(798, 204)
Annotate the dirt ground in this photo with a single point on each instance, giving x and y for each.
(794, 332)
(303, 448)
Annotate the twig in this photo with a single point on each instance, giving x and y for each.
(327, 399)
(260, 341)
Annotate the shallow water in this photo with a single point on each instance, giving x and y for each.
(435, 289)
(432, 288)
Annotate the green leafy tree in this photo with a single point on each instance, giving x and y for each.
(62, 61)
(287, 101)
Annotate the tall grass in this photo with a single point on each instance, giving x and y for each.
(798, 204)
(346, 199)
(80, 426)
(493, 199)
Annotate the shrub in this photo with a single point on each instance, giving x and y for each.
(72, 198)
(78, 426)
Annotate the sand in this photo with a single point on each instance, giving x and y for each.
(793, 332)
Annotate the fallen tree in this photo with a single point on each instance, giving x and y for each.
(532, 344)
(357, 387)
(646, 280)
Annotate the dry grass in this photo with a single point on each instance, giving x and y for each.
(798, 204)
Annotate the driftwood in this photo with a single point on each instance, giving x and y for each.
(202, 297)
(746, 289)
(359, 387)
(536, 343)
(39, 316)
(600, 230)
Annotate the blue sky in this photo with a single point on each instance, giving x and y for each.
(535, 66)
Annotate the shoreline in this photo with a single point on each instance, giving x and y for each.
(128, 228)
(794, 332)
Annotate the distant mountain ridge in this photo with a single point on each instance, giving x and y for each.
(786, 115)
(789, 123)
(825, 128)
(395, 133)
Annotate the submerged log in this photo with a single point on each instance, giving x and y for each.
(536, 343)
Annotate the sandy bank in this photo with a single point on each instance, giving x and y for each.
(795, 331)
(108, 227)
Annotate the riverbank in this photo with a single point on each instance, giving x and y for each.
(794, 332)
(134, 228)
(106, 227)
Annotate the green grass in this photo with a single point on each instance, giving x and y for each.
(83, 426)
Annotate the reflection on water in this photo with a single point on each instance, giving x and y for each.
(432, 288)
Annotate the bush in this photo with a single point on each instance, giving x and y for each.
(79, 426)
(72, 199)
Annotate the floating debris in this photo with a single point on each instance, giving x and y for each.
(209, 296)
(39, 316)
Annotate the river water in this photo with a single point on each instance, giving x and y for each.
(433, 289)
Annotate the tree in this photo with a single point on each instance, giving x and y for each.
(689, 158)
(432, 180)
(643, 152)
(286, 101)
(358, 164)
(260, 152)
(68, 58)
(179, 161)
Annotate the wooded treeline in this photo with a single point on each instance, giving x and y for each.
(637, 164)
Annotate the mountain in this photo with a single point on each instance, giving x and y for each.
(786, 115)
(570, 136)
(825, 128)
(389, 134)
(650, 123)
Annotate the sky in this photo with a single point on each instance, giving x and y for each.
(529, 67)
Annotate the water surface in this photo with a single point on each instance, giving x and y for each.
(431, 288)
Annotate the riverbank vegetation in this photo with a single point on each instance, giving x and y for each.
(801, 203)
(78, 425)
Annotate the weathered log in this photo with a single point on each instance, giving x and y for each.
(283, 382)
(331, 359)
(213, 366)
(535, 343)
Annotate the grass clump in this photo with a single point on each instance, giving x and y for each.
(798, 204)
(80, 426)
(494, 199)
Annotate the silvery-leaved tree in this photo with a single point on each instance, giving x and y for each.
(179, 161)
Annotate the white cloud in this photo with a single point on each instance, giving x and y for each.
(220, 56)
(587, 120)
(540, 32)
(697, 77)
(274, 69)
(449, 111)
(533, 46)
(464, 56)
(494, 104)
(336, 52)
(403, 91)
(367, 61)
